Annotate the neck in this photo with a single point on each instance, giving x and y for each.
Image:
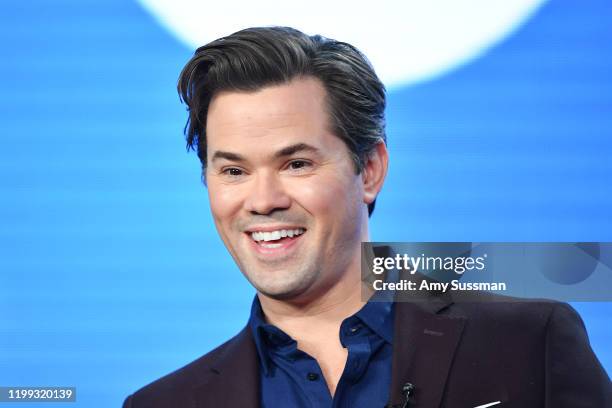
(323, 312)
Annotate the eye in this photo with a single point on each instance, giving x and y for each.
(298, 164)
(232, 172)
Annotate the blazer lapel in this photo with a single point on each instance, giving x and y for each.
(233, 379)
(424, 344)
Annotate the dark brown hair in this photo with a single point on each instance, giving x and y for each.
(251, 59)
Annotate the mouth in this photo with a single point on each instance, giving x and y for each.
(274, 241)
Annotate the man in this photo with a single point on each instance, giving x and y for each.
(290, 132)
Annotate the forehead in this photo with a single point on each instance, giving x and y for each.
(294, 109)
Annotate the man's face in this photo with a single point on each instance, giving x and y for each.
(283, 189)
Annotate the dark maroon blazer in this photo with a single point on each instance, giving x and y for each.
(456, 354)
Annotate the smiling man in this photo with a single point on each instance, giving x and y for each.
(290, 132)
(276, 174)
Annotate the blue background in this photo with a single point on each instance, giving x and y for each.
(111, 271)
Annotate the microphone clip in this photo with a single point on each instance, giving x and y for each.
(407, 391)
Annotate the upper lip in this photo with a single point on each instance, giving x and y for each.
(270, 228)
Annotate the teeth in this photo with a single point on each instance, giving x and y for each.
(276, 235)
(271, 245)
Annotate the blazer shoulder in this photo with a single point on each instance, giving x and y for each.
(502, 306)
(515, 316)
(175, 388)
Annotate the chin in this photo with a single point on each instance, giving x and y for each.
(281, 291)
(278, 291)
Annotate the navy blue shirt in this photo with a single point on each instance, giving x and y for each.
(292, 378)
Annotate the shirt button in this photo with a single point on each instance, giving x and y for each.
(355, 329)
(312, 376)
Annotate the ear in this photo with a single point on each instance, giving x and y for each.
(374, 172)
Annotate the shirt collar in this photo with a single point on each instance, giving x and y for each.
(377, 314)
(258, 325)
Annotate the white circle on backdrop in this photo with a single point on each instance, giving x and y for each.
(407, 41)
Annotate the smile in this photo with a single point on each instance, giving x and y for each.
(276, 239)
(276, 235)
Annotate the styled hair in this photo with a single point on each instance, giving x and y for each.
(251, 59)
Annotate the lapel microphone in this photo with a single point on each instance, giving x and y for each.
(407, 390)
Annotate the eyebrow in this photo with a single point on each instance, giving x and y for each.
(295, 148)
(219, 154)
(284, 152)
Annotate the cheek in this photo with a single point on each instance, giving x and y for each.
(325, 197)
(224, 201)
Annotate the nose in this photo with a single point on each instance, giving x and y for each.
(267, 194)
